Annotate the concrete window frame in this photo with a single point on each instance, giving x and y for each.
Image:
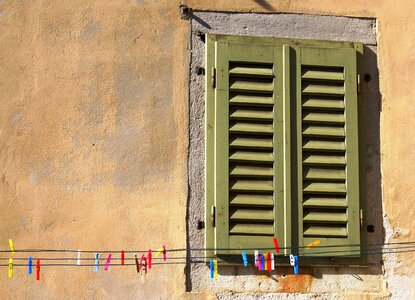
(285, 25)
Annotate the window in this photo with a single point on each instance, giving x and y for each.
(282, 156)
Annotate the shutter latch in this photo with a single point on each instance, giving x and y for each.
(213, 77)
(358, 83)
(212, 215)
(361, 219)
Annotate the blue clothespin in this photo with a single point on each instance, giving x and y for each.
(244, 258)
(262, 262)
(96, 265)
(212, 270)
(296, 264)
(30, 266)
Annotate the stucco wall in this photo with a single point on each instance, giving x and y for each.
(94, 135)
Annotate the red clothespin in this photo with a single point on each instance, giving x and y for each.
(277, 248)
(37, 269)
(122, 257)
(164, 253)
(149, 257)
(268, 261)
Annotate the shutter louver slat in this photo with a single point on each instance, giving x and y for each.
(323, 103)
(252, 229)
(251, 100)
(324, 152)
(251, 170)
(325, 231)
(251, 128)
(251, 148)
(251, 142)
(251, 200)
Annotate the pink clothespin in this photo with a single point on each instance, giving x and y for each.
(107, 263)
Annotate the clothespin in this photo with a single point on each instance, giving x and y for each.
(277, 248)
(294, 263)
(143, 259)
(107, 263)
(244, 258)
(264, 262)
(10, 273)
(37, 269)
(159, 252)
(143, 265)
(313, 244)
(137, 264)
(149, 257)
(78, 261)
(256, 258)
(268, 261)
(96, 264)
(122, 256)
(272, 262)
(30, 266)
(212, 267)
(259, 262)
(164, 253)
(11, 246)
(215, 268)
(263, 265)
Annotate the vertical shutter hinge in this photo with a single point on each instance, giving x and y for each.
(358, 83)
(213, 215)
(213, 77)
(361, 219)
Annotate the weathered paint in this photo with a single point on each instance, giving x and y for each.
(94, 134)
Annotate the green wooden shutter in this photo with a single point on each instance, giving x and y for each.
(327, 135)
(247, 144)
(281, 134)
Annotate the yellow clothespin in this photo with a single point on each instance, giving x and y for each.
(10, 267)
(11, 246)
(159, 252)
(313, 244)
(215, 268)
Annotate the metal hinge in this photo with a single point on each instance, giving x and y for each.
(213, 77)
(361, 219)
(212, 215)
(358, 83)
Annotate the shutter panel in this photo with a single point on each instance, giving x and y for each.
(328, 148)
(247, 137)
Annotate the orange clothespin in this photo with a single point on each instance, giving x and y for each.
(268, 261)
(313, 244)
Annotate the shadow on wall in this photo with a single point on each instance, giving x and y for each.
(265, 5)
